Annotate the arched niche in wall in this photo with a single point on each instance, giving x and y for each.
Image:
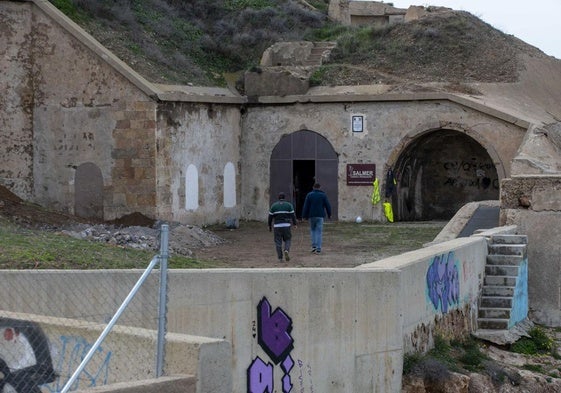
(192, 188)
(439, 172)
(229, 185)
(298, 161)
(88, 191)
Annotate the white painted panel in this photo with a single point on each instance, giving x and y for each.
(229, 185)
(192, 188)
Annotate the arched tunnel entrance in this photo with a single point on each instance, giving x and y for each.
(438, 173)
(299, 160)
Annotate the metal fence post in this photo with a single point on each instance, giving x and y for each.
(110, 325)
(162, 314)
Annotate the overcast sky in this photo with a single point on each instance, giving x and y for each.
(536, 23)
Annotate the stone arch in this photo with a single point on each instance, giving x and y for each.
(299, 160)
(438, 171)
(88, 191)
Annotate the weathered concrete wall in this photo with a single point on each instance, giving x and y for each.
(95, 116)
(439, 289)
(349, 12)
(16, 100)
(206, 138)
(328, 330)
(66, 105)
(533, 204)
(389, 127)
(126, 355)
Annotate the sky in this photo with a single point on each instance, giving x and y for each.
(537, 24)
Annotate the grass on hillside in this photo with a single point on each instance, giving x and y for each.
(193, 41)
(34, 249)
(22, 248)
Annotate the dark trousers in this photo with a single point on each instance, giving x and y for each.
(282, 234)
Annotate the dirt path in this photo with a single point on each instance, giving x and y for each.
(344, 244)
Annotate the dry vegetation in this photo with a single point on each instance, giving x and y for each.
(197, 42)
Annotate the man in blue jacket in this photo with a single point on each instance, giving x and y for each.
(316, 207)
(281, 217)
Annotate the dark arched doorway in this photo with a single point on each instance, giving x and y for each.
(88, 191)
(297, 161)
(438, 173)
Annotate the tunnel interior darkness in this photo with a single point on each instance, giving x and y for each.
(438, 173)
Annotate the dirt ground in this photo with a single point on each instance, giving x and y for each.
(345, 245)
(251, 245)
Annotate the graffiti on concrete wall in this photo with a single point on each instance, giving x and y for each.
(443, 282)
(70, 352)
(273, 336)
(471, 173)
(25, 357)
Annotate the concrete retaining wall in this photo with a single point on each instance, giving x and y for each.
(126, 355)
(439, 289)
(328, 330)
(532, 203)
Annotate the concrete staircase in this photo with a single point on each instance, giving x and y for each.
(506, 254)
(320, 51)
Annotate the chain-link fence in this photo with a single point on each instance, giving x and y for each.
(68, 330)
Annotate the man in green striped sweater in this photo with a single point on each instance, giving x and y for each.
(281, 218)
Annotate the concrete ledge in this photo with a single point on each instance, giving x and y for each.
(128, 353)
(173, 384)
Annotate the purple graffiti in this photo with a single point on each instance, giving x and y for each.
(443, 282)
(286, 366)
(273, 331)
(260, 377)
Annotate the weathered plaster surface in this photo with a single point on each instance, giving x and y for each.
(206, 136)
(389, 127)
(66, 106)
(16, 100)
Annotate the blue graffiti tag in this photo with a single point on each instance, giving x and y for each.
(72, 351)
(273, 335)
(443, 282)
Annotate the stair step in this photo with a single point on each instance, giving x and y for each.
(492, 323)
(493, 259)
(497, 290)
(502, 270)
(508, 281)
(494, 313)
(507, 249)
(496, 301)
(509, 239)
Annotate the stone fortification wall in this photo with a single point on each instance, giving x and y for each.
(198, 162)
(389, 126)
(96, 116)
(72, 107)
(16, 100)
